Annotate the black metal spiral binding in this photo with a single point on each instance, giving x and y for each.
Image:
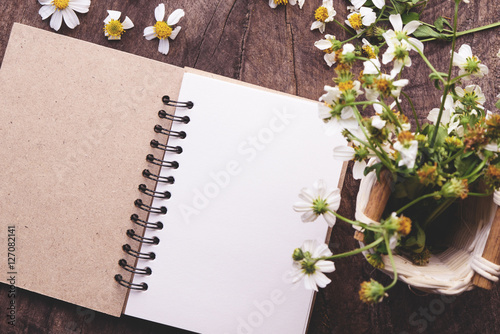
(163, 163)
(153, 193)
(146, 256)
(123, 263)
(174, 149)
(161, 210)
(142, 286)
(154, 226)
(160, 129)
(164, 179)
(167, 101)
(183, 119)
(158, 194)
(132, 235)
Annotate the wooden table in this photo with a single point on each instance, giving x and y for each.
(249, 41)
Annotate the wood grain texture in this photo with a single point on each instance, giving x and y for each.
(247, 40)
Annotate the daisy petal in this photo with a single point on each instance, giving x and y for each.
(56, 20)
(396, 22)
(45, 2)
(70, 18)
(175, 17)
(175, 32)
(114, 14)
(80, 6)
(318, 25)
(149, 33)
(127, 23)
(411, 27)
(164, 46)
(321, 279)
(46, 11)
(160, 12)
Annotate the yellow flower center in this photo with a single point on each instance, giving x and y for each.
(321, 14)
(281, 2)
(114, 28)
(356, 21)
(383, 86)
(60, 4)
(162, 30)
(369, 52)
(343, 86)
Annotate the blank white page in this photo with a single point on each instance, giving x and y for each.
(224, 255)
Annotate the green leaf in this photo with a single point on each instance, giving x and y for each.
(439, 24)
(415, 242)
(497, 105)
(411, 16)
(427, 32)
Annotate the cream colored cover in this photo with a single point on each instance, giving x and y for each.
(76, 120)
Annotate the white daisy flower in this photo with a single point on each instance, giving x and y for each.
(317, 201)
(323, 14)
(471, 95)
(385, 85)
(399, 33)
(63, 9)
(113, 28)
(326, 45)
(448, 111)
(362, 19)
(346, 119)
(358, 3)
(468, 63)
(275, 3)
(346, 153)
(310, 270)
(164, 30)
(408, 152)
(399, 52)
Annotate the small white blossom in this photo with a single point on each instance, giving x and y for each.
(468, 63)
(361, 19)
(317, 201)
(113, 28)
(401, 33)
(371, 66)
(408, 152)
(471, 93)
(163, 30)
(275, 3)
(323, 14)
(346, 153)
(448, 111)
(63, 9)
(311, 271)
(326, 46)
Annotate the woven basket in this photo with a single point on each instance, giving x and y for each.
(451, 271)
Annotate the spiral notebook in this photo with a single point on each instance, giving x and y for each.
(163, 193)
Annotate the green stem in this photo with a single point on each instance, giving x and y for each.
(413, 110)
(470, 31)
(373, 228)
(476, 170)
(452, 157)
(415, 201)
(391, 258)
(447, 83)
(343, 27)
(478, 194)
(353, 252)
(424, 58)
(439, 210)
